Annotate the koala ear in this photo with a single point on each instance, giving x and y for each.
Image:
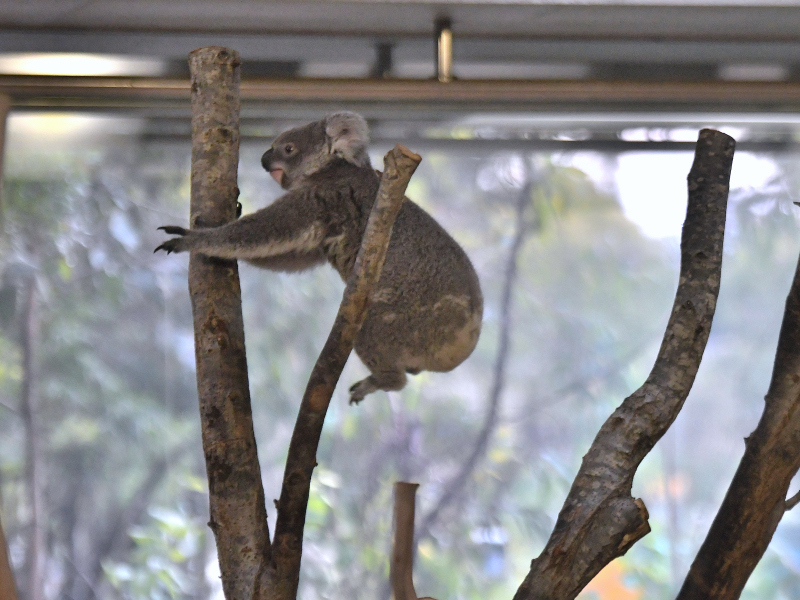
(348, 136)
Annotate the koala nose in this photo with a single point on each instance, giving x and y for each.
(266, 159)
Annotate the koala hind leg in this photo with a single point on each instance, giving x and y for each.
(378, 380)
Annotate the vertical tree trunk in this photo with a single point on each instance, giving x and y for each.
(238, 513)
(29, 407)
(457, 484)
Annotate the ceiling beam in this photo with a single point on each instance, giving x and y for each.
(87, 93)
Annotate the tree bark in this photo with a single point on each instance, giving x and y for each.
(282, 581)
(238, 513)
(8, 588)
(402, 566)
(600, 520)
(756, 499)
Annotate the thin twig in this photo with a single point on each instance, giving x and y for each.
(29, 403)
(454, 487)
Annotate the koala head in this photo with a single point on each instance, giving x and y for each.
(299, 152)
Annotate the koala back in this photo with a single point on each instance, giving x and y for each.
(424, 264)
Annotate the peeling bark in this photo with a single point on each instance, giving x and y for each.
(756, 499)
(281, 581)
(238, 513)
(600, 520)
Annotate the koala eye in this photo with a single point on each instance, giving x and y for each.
(288, 148)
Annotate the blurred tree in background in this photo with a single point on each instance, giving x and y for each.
(99, 436)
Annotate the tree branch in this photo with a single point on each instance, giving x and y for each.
(756, 499)
(238, 513)
(281, 581)
(401, 569)
(793, 501)
(600, 520)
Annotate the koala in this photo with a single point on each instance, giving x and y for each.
(426, 310)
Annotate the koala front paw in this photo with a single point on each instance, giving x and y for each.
(178, 244)
(388, 380)
(359, 390)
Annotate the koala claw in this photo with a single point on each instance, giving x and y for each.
(382, 380)
(357, 393)
(169, 246)
(174, 230)
(177, 244)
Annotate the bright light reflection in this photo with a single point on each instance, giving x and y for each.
(652, 190)
(674, 134)
(651, 186)
(34, 135)
(78, 65)
(752, 172)
(39, 128)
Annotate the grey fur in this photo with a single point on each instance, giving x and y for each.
(427, 308)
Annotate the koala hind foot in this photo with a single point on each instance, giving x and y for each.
(382, 380)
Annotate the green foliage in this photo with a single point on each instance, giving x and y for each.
(116, 419)
(125, 482)
(163, 546)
